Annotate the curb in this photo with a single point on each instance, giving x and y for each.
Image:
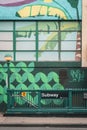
(45, 125)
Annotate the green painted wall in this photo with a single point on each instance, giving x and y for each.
(39, 76)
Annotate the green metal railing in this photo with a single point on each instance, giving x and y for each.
(44, 101)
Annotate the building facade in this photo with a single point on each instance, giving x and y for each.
(47, 42)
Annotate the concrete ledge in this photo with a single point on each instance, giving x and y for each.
(43, 121)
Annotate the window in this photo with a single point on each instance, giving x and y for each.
(70, 41)
(25, 40)
(41, 40)
(6, 39)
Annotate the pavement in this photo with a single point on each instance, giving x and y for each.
(42, 121)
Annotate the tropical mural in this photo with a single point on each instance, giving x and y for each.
(28, 76)
(42, 9)
(27, 71)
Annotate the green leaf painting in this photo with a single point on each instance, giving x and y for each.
(3, 94)
(43, 77)
(31, 67)
(25, 78)
(31, 78)
(74, 3)
(1, 89)
(33, 86)
(54, 76)
(21, 87)
(12, 67)
(21, 65)
(58, 86)
(15, 76)
(5, 98)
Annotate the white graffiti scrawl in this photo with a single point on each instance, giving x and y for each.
(77, 75)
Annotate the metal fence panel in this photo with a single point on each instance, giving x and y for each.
(47, 101)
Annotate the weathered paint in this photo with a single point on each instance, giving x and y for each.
(34, 76)
(41, 9)
(31, 75)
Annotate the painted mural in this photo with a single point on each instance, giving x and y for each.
(42, 9)
(28, 76)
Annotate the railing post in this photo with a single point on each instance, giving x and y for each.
(39, 99)
(8, 99)
(12, 99)
(70, 98)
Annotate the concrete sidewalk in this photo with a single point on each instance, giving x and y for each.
(43, 121)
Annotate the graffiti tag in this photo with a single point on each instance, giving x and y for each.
(77, 75)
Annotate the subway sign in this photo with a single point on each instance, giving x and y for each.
(54, 94)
